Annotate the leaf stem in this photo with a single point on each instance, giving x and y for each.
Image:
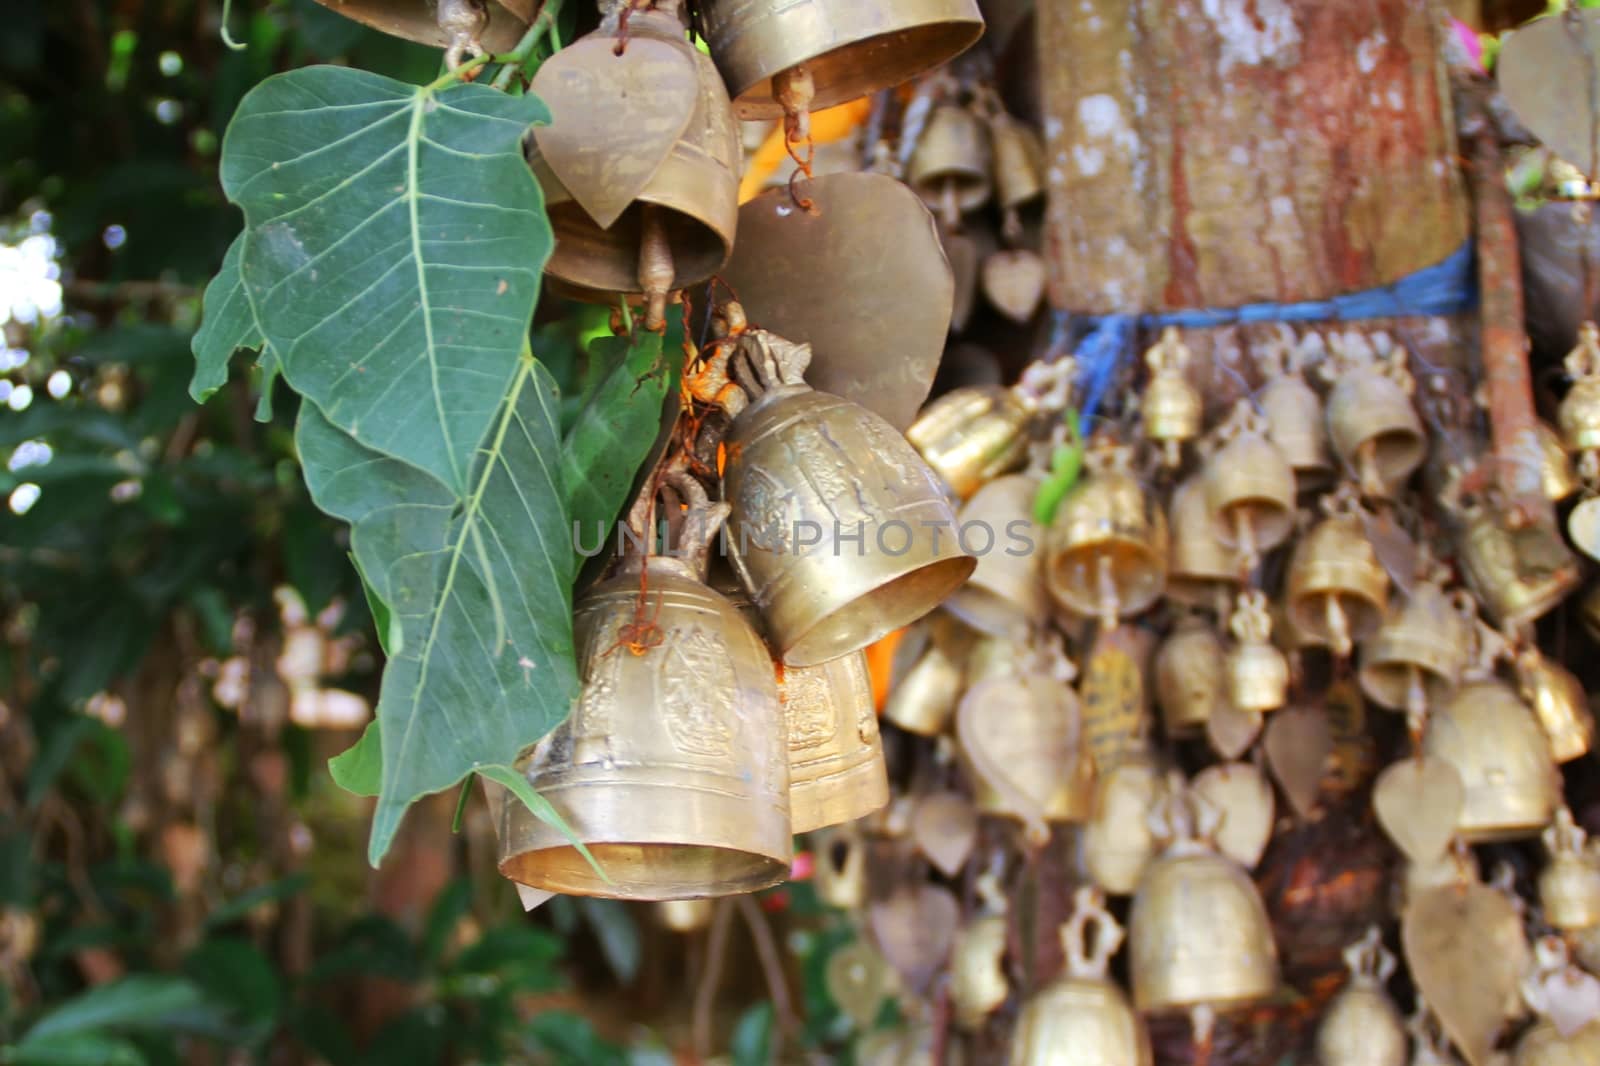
(518, 58)
(461, 804)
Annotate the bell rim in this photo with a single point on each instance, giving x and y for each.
(574, 876)
(812, 648)
(834, 799)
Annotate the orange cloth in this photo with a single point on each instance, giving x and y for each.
(880, 664)
(827, 126)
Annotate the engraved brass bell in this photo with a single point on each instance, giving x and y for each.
(1558, 699)
(1257, 672)
(1419, 651)
(1171, 405)
(836, 768)
(1372, 422)
(684, 915)
(1198, 932)
(1497, 746)
(672, 768)
(1295, 422)
(1005, 596)
(1083, 1016)
(1107, 547)
(459, 25)
(1249, 487)
(1569, 885)
(949, 167)
(1362, 1026)
(839, 531)
(1202, 571)
(844, 48)
(971, 436)
(640, 165)
(1191, 677)
(1337, 587)
(840, 867)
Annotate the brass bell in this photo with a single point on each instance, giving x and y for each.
(1564, 999)
(1337, 587)
(1258, 673)
(1546, 1045)
(1569, 886)
(1083, 1016)
(925, 699)
(839, 531)
(972, 435)
(1497, 746)
(1199, 935)
(1118, 844)
(1372, 422)
(840, 867)
(1107, 547)
(1560, 703)
(1417, 655)
(1295, 422)
(977, 982)
(459, 25)
(1005, 595)
(684, 915)
(1362, 1026)
(640, 165)
(1171, 405)
(844, 48)
(1579, 413)
(836, 768)
(1019, 176)
(1519, 575)
(1202, 571)
(1191, 677)
(672, 768)
(1556, 475)
(949, 167)
(1249, 487)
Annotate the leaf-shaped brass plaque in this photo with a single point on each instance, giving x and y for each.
(1298, 743)
(1544, 71)
(1418, 802)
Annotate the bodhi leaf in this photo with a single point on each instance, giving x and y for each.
(359, 768)
(228, 323)
(479, 589)
(613, 433)
(394, 242)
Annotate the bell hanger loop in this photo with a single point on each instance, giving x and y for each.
(1092, 936)
(463, 23)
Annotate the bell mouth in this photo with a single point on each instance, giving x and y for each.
(607, 260)
(880, 611)
(650, 872)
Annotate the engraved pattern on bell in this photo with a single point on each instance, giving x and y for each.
(836, 766)
(1496, 745)
(885, 553)
(672, 768)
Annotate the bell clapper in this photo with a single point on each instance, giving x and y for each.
(656, 270)
(1244, 537)
(949, 205)
(1367, 468)
(1110, 604)
(1416, 706)
(1338, 627)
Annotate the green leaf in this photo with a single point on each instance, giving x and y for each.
(752, 1036)
(73, 1049)
(143, 1001)
(243, 904)
(618, 934)
(613, 434)
(541, 809)
(227, 324)
(359, 768)
(236, 973)
(394, 243)
(481, 592)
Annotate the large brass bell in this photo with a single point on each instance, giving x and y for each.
(1362, 1026)
(836, 768)
(1249, 487)
(1337, 587)
(1107, 547)
(949, 167)
(1569, 885)
(1201, 571)
(672, 768)
(1191, 677)
(1005, 596)
(1495, 743)
(1519, 575)
(839, 531)
(1559, 701)
(459, 25)
(1257, 671)
(1171, 405)
(1372, 422)
(1295, 421)
(845, 49)
(1199, 935)
(1417, 654)
(640, 164)
(1083, 1016)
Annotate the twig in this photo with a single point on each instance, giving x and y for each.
(772, 968)
(705, 994)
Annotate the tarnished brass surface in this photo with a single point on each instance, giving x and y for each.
(1425, 638)
(1108, 544)
(836, 768)
(971, 436)
(1496, 745)
(1338, 590)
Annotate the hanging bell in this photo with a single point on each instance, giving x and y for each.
(1419, 651)
(1083, 1016)
(1295, 422)
(1019, 176)
(949, 167)
(1519, 575)
(640, 165)
(672, 768)
(1249, 488)
(1337, 586)
(1198, 933)
(971, 436)
(977, 982)
(1257, 672)
(925, 699)
(1107, 547)
(1569, 885)
(839, 531)
(836, 768)
(1372, 422)
(684, 915)
(1005, 595)
(1495, 743)
(844, 48)
(1566, 1001)
(1362, 1026)
(840, 869)
(1579, 413)
(1560, 703)
(1171, 405)
(1117, 844)
(1201, 571)
(1546, 1045)
(1191, 677)
(462, 26)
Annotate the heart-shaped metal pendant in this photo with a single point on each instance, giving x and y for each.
(1418, 802)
